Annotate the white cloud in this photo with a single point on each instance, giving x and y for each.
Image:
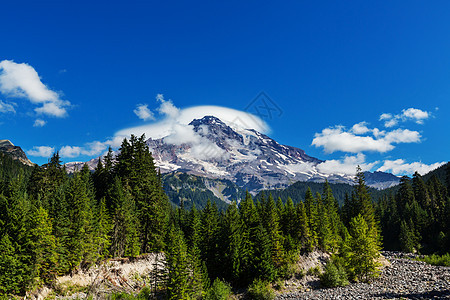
(378, 133)
(41, 151)
(51, 109)
(6, 107)
(400, 167)
(386, 116)
(22, 80)
(173, 116)
(70, 151)
(347, 165)
(413, 114)
(143, 112)
(90, 149)
(182, 134)
(94, 148)
(360, 128)
(167, 108)
(175, 129)
(39, 123)
(391, 123)
(402, 136)
(338, 138)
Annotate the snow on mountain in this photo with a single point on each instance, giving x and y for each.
(214, 149)
(251, 159)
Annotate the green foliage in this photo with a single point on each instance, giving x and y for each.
(361, 250)
(260, 290)
(437, 260)
(144, 294)
(334, 275)
(314, 271)
(52, 223)
(219, 290)
(177, 266)
(11, 268)
(416, 218)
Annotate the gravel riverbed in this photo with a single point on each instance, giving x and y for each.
(403, 279)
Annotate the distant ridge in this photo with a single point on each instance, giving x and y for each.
(8, 148)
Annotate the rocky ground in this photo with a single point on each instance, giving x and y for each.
(404, 278)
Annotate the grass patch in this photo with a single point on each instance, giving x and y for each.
(437, 260)
(260, 290)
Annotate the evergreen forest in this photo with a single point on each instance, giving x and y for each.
(54, 223)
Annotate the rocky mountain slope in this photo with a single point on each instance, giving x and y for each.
(246, 157)
(14, 151)
(252, 161)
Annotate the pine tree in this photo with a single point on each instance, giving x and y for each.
(324, 228)
(363, 203)
(125, 236)
(288, 225)
(420, 191)
(250, 230)
(361, 250)
(136, 168)
(408, 237)
(304, 233)
(312, 216)
(45, 257)
(209, 238)
(12, 271)
(78, 240)
(231, 245)
(263, 255)
(272, 227)
(102, 230)
(177, 266)
(332, 209)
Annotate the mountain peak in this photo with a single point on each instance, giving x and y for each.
(15, 152)
(6, 143)
(207, 120)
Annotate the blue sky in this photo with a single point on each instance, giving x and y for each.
(72, 75)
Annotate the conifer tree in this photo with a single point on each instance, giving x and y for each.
(44, 255)
(263, 261)
(272, 226)
(250, 230)
(304, 232)
(312, 216)
(209, 237)
(136, 168)
(77, 240)
(124, 236)
(360, 250)
(177, 266)
(12, 272)
(288, 225)
(102, 230)
(408, 237)
(332, 209)
(363, 203)
(231, 238)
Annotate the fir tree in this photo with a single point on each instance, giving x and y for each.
(45, 257)
(177, 266)
(361, 250)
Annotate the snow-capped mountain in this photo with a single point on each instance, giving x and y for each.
(208, 147)
(251, 159)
